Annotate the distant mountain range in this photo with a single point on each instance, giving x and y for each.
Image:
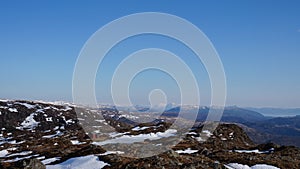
(262, 129)
(277, 112)
(230, 114)
(261, 124)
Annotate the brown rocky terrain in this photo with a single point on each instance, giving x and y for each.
(39, 135)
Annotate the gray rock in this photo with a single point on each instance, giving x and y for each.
(35, 164)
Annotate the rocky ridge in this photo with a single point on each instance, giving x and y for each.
(44, 134)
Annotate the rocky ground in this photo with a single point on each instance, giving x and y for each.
(49, 135)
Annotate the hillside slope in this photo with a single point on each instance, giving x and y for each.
(52, 135)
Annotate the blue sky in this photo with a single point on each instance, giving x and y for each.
(258, 43)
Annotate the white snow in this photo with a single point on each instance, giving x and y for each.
(3, 153)
(187, 151)
(111, 152)
(29, 122)
(13, 110)
(76, 142)
(50, 160)
(49, 119)
(9, 141)
(24, 153)
(70, 121)
(3, 107)
(129, 116)
(128, 139)
(193, 133)
(21, 158)
(90, 162)
(101, 121)
(3, 100)
(257, 166)
(67, 108)
(208, 133)
(41, 158)
(58, 133)
(116, 134)
(253, 151)
(29, 106)
(139, 128)
(200, 139)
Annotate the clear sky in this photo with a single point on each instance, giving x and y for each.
(258, 43)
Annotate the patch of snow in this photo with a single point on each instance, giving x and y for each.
(40, 111)
(128, 139)
(90, 162)
(2, 100)
(111, 152)
(187, 151)
(29, 106)
(193, 133)
(49, 119)
(257, 166)
(58, 133)
(3, 153)
(12, 148)
(41, 158)
(21, 142)
(76, 142)
(116, 134)
(24, 153)
(263, 166)
(70, 121)
(2, 107)
(29, 122)
(67, 108)
(129, 116)
(139, 128)
(253, 151)
(7, 140)
(208, 133)
(13, 110)
(50, 160)
(200, 139)
(101, 121)
(231, 135)
(20, 158)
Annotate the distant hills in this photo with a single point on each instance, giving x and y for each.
(261, 128)
(230, 114)
(261, 124)
(277, 112)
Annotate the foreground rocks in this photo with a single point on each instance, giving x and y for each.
(34, 135)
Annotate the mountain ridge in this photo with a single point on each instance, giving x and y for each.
(53, 135)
